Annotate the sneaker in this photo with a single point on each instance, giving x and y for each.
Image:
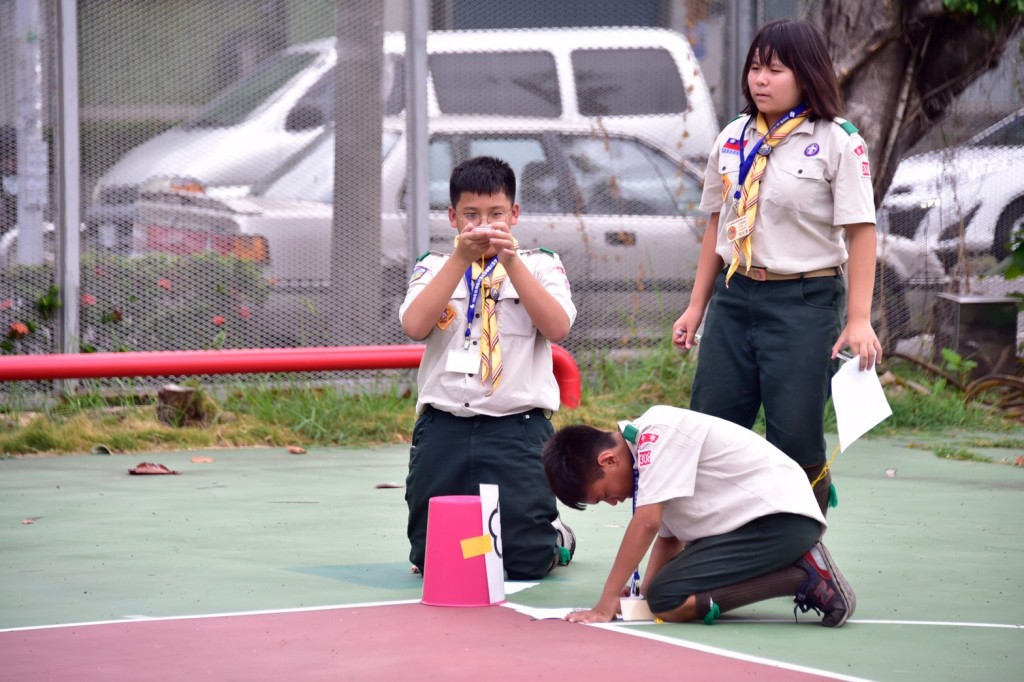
(826, 590)
(565, 540)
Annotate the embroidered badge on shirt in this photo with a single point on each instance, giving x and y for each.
(865, 170)
(418, 272)
(812, 149)
(731, 146)
(644, 449)
(859, 151)
(447, 317)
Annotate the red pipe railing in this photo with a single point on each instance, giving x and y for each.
(248, 361)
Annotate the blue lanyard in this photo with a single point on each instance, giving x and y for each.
(634, 583)
(474, 293)
(761, 147)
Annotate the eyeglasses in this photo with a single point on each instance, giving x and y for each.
(474, 218)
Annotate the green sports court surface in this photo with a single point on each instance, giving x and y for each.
(266, 565)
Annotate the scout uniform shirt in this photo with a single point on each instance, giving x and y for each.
(817, 180)
(713, 476)
(528, 380)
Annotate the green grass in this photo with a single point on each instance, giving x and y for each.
(279, 411)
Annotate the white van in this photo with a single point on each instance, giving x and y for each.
(643, 82)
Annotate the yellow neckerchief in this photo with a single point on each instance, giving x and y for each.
(490, 350)
(743, 243)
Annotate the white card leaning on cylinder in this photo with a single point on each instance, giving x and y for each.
(492, 526)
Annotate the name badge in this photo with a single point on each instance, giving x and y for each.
(737, 229)
(463, 361)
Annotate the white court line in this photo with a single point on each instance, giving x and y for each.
(142, 618)
(944, 623)
(728, 654)
(761, 621)
(526, 610)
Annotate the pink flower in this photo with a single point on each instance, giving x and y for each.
(88, 299)
(218, 320)
(7, 304)
(243, 312)
(164, 283)
(17, 330)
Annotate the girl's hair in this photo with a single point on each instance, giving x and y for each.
(570, 461)
(800, 46)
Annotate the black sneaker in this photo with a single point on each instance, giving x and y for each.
(826, 590)
(565, 541)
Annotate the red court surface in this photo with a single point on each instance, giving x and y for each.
(378, 642)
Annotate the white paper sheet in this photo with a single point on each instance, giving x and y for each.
(859, 401)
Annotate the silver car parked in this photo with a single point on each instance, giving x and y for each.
(620, 211)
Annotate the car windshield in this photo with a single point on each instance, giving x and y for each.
(310, 177)
(619, 176)
(623, 82)
(239, 101)
(528, 81)
(1009, 135)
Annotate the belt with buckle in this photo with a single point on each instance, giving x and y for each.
(765, 275)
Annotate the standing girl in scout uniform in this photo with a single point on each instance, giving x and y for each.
(788, 187)
(488, 313)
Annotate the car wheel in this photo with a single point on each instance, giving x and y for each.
(1011, 220)
(890, 316)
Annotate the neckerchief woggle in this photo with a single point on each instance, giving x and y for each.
(474, 293)
(760, 148)
(630, 432)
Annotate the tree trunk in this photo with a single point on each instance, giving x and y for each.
(901, 65)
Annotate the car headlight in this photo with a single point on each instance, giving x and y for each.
(175, 183)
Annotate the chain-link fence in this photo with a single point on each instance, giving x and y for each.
(214, 216)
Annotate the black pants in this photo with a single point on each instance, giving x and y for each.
(770, 343)
(453, 455)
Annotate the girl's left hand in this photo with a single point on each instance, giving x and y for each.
(862, 341)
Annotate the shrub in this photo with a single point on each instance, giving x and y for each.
(154, 302)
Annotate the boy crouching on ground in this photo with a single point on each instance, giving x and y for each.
(732, 518)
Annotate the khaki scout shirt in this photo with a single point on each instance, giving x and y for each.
(712, 476)
(816, 181)
(527, 378)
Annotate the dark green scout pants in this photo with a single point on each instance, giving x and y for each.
(770, 343)
(760, 547)
(453, 455)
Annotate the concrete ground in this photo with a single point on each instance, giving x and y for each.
(933, 549)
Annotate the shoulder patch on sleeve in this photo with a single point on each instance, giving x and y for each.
(425, 254)
(548, 251)
(849, 128)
